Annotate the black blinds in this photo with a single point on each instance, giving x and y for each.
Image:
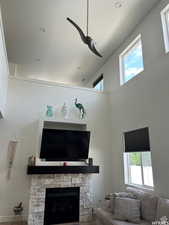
(137, 140)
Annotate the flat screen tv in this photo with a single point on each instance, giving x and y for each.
(64, 145)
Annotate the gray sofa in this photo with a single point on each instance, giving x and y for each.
(153, 210)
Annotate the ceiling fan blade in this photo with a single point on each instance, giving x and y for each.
(93, 48)
(83, 37)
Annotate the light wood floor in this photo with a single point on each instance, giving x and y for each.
(14, 223)
(22, 223)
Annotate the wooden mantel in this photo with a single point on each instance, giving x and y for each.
(32, 170)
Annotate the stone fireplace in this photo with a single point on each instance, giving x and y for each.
(43, 185)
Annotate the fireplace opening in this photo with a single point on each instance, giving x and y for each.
(61, 205)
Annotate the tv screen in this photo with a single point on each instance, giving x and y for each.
(137, 140)
(64, 145)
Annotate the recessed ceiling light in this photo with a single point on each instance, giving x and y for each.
(42, 29)
(117, 3)
(84, 79)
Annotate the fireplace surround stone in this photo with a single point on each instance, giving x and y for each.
(39, 184)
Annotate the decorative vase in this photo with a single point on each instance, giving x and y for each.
(65, 111)
(31, 160)
(18, 209)
(49, 111)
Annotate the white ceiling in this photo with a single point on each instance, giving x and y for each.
(58, 54)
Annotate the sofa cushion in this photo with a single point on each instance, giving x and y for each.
(148, 203)
(120, 195)
(107, 218)
(127, 209)
(118, 222)
(110, 199)
(125, 195)
(162, 208)
(149, 207)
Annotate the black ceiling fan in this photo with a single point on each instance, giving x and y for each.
(85, 38)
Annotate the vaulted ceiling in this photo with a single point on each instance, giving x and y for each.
(45, 46)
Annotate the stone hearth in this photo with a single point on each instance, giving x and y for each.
(39, 183)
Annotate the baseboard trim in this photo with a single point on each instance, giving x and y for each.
(4, 219)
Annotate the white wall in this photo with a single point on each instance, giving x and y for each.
(143, 101)
(26, 103)
(3, 70)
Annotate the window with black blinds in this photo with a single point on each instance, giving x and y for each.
(137, 140)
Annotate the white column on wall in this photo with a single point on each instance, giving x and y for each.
(4, 72)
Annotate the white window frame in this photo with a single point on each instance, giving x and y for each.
(165, 26)
(121, 56)
(127, 176)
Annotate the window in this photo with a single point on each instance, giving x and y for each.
(137, 158)
(131, 61)
(99, 83)
(165, 24)
(138, 169)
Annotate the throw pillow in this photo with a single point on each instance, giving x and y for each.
(111, 197)
(148, 203)
(125, 195)
(149, 207)
(127, 209)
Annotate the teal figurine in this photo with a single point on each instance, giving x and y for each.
(81, 109)
(49, 112)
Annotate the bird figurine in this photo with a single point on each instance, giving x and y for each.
(81, 109)
(18, 209)
(85, 38)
